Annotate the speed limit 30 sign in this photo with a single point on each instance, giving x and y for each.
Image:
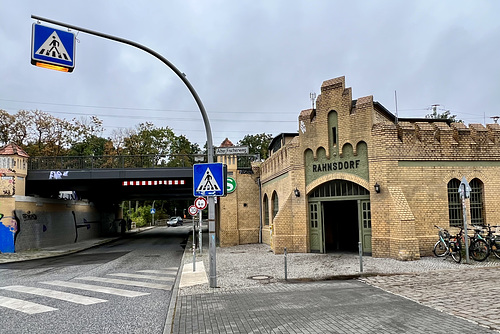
(193, 210)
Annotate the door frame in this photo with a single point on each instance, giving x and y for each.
(321, 221)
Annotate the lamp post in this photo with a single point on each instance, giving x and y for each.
(208, 130)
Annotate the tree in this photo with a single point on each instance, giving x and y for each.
(445, 114)
(182, 151)
(257, 144)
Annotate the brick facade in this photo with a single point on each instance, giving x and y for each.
(360, 142)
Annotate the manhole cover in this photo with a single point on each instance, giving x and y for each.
(260, 277)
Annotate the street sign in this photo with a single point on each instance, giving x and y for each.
(200, 203)
(464, 189)
(193, 210)
(52, 48)
(231, 185)
(232, 150)
(153, 211)
(209, 179)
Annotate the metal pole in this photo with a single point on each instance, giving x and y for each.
(286, 269)
(466, 236)
(360, 248)
(200, 237)
(208, 130)
(194, 247)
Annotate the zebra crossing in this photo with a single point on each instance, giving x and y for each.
(162, 279)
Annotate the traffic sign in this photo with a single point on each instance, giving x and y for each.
(200, 203)
(153, 211)
(464, 189)
(52, 48)
(231, 185)
(193, 211)
(209, 179)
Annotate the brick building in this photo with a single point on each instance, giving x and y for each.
(355, 173)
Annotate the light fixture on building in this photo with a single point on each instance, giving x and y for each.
(296, 192)
(377, 188)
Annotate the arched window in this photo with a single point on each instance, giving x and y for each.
(476, 202)
(266, 210)
(275, 204)
(454, 203)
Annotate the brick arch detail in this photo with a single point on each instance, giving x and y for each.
(338, 176)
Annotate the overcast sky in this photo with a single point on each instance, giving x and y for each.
(254, 63)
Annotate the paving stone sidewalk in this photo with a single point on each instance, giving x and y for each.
(390, 296)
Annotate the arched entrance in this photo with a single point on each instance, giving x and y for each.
(339, 217)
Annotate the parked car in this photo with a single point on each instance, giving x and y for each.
(174, 221)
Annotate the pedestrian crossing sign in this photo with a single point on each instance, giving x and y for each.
(52, 48)
(209, 179)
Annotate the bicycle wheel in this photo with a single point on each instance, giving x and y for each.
(455, 251)
(495, 249)
(479, 250)
(440, 249)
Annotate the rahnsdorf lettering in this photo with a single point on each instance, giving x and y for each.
(331, 166)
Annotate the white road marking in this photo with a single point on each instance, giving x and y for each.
(161, 272)
(127, 282)
(97, 288)
(66, 296)
(24, 306)
(151, 277)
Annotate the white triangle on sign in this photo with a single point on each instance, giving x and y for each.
(54, 48)
(208, 183)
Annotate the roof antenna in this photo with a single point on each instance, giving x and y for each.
(312, 96)
(495, 119)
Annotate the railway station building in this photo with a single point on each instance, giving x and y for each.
(354, 173)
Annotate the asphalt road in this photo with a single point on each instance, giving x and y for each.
(120, 287)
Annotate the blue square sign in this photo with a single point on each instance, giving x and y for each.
(52, 46)
(209, 179)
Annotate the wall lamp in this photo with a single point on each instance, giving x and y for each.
(377, 188)
(296, 192)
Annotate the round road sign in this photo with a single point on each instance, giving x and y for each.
(231, 185)
(193, 210)
(200, 203)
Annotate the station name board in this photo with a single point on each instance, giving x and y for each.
(332, 166)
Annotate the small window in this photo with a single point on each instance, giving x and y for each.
(275, 204)
(266, 210)
(334, 136)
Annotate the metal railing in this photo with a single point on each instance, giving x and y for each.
(114, 161)
(126, 161)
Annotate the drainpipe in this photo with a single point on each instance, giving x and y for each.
(260, 210)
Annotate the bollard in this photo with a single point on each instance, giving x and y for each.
(360, 247)
(286, 269)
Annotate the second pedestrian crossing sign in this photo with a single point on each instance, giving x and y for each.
(209, 179)
(52, 48)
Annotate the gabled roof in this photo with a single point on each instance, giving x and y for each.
(13, 149)
(226, 143)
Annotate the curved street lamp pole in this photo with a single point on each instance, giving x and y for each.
(208, 130)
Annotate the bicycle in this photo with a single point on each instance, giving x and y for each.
(447, 245)
(493, 241)
(478, 246)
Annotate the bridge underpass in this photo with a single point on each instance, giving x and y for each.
(112, 178)
(113, 185)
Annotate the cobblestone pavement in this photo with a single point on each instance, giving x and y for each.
(315, 307)
(471, 294)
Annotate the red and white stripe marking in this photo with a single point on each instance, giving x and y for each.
(154, 183)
